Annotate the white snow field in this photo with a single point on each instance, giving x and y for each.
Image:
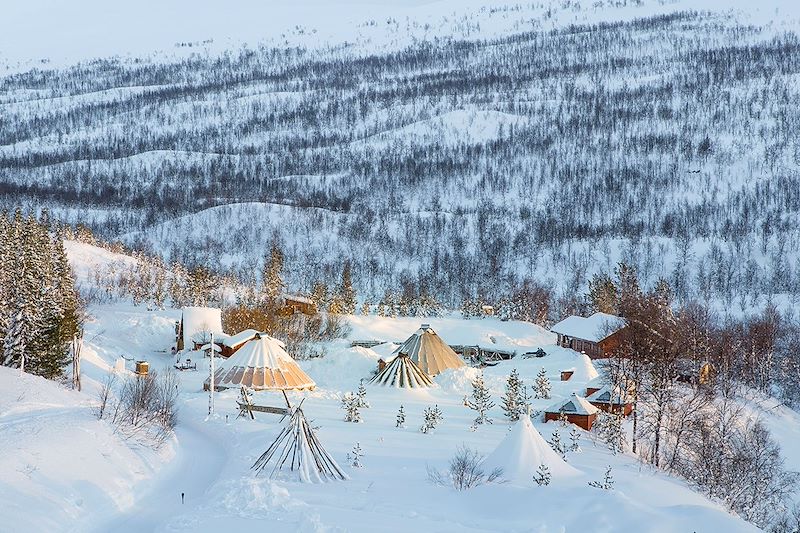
(79, 476)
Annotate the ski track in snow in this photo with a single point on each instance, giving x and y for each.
(197, 466)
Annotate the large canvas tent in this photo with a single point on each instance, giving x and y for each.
(261, 364)
(429, 352)
(402, 372)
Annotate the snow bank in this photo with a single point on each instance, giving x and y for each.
(60, 464)
(343, 367)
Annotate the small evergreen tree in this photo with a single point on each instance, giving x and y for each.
(541, 387)
(607, 483)
(574, 439)
(354, 457)
(557, 445)
(542, 476)
(272, 278)
(513, 402)
(350, 406)
(481, 400)
(361, 395)
(401, 418)
(432, 416)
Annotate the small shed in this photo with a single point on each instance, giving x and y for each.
(142, 368)
(577, 409)
(230, 344)
(612, 399)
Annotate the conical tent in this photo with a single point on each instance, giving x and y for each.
(522, 452)
(429, 352)
(262, 364)
(297, 447)
(402, 372)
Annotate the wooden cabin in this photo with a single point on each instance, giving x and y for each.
(297, 303)
(598, 335)
(576, 409)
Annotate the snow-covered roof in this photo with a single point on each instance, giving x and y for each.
(233, 341)
(522, 452)
(298, 298)
(610, 394)
(201, 320)
(402, 372)
(593, 328)
(430, 353)
(262, 364)
(574, 405)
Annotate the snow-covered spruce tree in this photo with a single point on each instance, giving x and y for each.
(365, 308)
(361, 396)
(513, 402)
(574, 439)
(40, 309)
(481, 400)
(354, 457)
(350, 406)
(607, 483)
(432, 416)
(347, 294)
(541, 386)
(610, 430)
(557, 445)
(401, 418)
(542, 476)
(272, 284)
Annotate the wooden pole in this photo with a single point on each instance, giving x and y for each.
(211, 380)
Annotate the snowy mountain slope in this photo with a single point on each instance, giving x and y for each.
(517, 138)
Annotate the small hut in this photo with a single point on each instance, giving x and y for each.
(298, 448)
(428, 351)
(612, 399)
(261, 364)
(402, 372)
(230, 344)
(577, 409)
(522, 452)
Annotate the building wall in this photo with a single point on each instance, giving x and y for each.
(582, 421)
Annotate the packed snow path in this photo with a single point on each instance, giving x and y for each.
(196, 467)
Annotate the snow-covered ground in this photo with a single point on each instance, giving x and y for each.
(78, 475)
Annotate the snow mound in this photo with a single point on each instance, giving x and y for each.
(521, 453)
(343, 367)
(457, 380)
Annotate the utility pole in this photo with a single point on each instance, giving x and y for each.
(211, 379)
